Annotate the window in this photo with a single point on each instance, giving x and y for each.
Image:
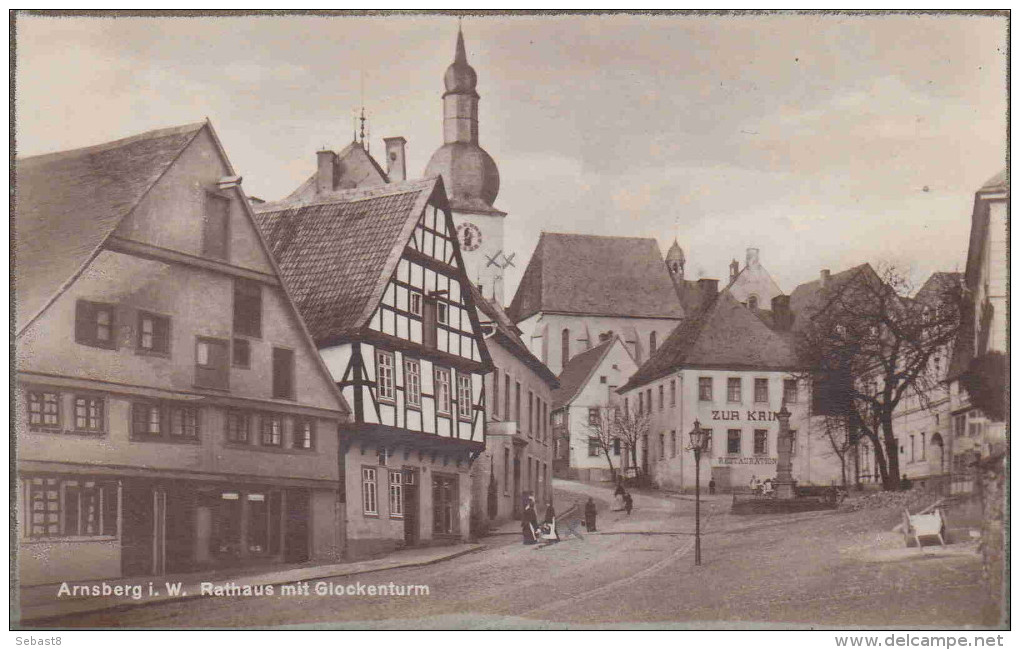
(640, 403)
(672, 443)
(603, 379)
(752, 302)
(790, 391)
(912, 458)
(215, 230)
(443, 390)
(211, 363)
(733, 442)
(662, 397)
(761, 390)
(272, 430)
(923, 450)
(153, 333)
(672, 392)
(247, 308)
(648, 399)
(616, 446)
(412, 382)
(183, 421)
(384, 374)
(733, 390)
(44, 410)
(442, 312)
(396, 494)
(506, 471)
(283, 373)
(238, 427)
(564, 347)
(708, 441)
(651, 344)
(150, 419)
(57, 507)
(89, 414)
(414, 303)
(242, 353)
(445, 505)
(531, 410)
(705, 389)
(593, 415)
(662, 446)
(517, 403)
(495, 393)
(506, 395)
(368, 491)
(94, 324)
(593, 446)
(761, 442)
(304, 434)
(464, 396)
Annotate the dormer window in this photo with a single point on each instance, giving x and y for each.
(94, 324)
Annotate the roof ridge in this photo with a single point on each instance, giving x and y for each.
(114, 144)
(351, 196)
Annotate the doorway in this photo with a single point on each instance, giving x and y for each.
(516, 495)
(411, 518)
(143, 544)
(296, 535)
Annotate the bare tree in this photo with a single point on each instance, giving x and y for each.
(601, 427)
(841, 436)
(868, 345)
(631, 428)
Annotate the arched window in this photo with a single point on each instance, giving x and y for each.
(939, 449)
(564, 347)
(752, 302)
(651, 344)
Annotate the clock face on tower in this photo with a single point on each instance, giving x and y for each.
(469, 235)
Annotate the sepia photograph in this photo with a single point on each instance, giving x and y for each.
(511, 320)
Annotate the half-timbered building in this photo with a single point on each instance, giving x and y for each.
(378, 276)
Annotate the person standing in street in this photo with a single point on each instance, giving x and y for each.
(590, 511)
(711, 486)
(529, 522)
(550, 520)
(628, 502)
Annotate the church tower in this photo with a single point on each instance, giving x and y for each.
(675, 261)
(471, 179)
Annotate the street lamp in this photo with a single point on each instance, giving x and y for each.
(698, 439)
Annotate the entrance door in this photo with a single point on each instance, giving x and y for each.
(411, 517)
(138, 526)
(159, 531)
(296, 535)
(517, 488)
(723, 481)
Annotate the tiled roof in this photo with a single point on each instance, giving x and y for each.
(509, 336)
(575, 375)
(596, 275)
(337, 256)
(808, 298)
(936, 286)
(355, 168)
(67, 204)
(724, 335)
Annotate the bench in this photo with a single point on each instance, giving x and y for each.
(926, 525)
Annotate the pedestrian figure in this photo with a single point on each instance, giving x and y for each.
(590, 510)
(711, 486)
(550, 521)
(618, 496)
(628, 502)
(754, 484)
(529, 523)
(619, 489)
(905, 483)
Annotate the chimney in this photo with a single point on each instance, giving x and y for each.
(708, 288)
(605, 336)
(825, 277)
(781, 315)
(752, 257)
(734, 270)
(325, 176)
(395, 162)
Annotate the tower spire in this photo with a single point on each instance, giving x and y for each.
(461, 55)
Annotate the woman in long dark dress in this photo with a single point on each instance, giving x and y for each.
(590, 511)
(529, 522)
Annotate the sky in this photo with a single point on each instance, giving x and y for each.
(824, 140)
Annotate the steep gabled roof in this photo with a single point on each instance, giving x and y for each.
(808, 298)
(507, 334)
(578, 372)
(727, 335)
(336, 257)
(67, 203)
(355, 169)
(596, 275)
(936, 286)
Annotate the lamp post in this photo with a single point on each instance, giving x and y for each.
(698, 437)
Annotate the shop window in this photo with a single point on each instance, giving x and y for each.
(412, 382)
(216, 226)
(242, 353)
(247, 308)
(384, 375)
(94, 324)
(761, 442)
(705, 389)
(733, 442)
(89, 414)
(226, 534)
(64, 507)
(43, 410)
(442, 390)
(304, 434)
(238, 427)
(368, 491)
(283, 373)
(396, 495)
(272, 430)
(444, 505)
(733, 392)
(464, 396)
(790, 391)
(153, 333)
(761, 390)
(211, 363)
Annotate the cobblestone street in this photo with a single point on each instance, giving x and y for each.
(809, 570)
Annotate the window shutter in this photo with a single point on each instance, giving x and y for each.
(83, 318)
